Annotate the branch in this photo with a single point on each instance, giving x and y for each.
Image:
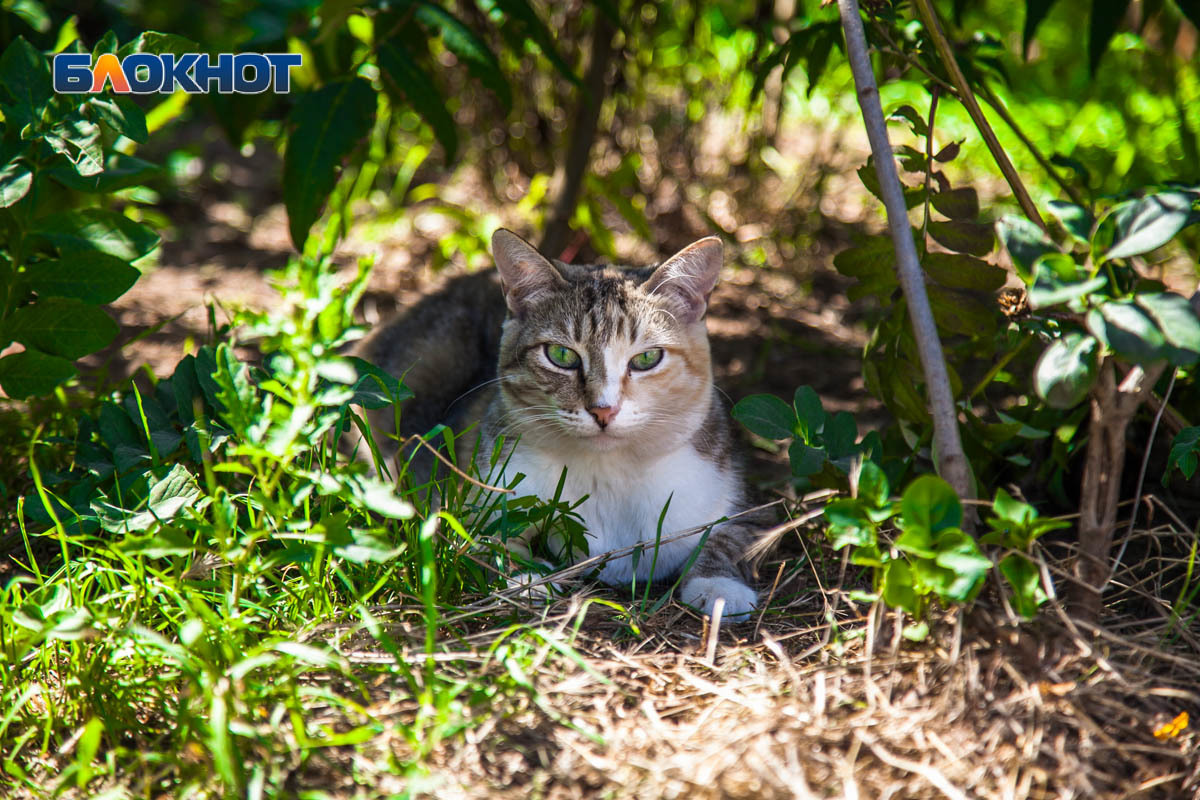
(947, 446)
(582, 133)
(966, 96)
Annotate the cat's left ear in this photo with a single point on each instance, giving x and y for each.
(687, 278)
(525, 274)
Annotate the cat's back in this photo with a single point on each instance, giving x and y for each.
(444, 346)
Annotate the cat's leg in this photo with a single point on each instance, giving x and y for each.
(521, 553)
(721, 570)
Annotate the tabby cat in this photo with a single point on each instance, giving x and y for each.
(601, 370)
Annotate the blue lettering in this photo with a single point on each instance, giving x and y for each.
(283, 63)
(154, 72)
(261, 68)
(72, 73)
(177, 76)
(205, 72)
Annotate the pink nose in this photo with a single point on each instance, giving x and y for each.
(604, 414)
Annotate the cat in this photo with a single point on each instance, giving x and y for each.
(601, 370)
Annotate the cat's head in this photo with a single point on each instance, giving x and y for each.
(605, 358)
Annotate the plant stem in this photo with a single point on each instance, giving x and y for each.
(934, 28)
(952, 463)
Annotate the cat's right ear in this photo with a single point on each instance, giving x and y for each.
(525, 274)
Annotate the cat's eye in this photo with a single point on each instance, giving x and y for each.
(647, 360)
(561, 356)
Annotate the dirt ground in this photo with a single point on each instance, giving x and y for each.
(822, 698)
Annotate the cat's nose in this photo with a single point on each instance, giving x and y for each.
(604, 414)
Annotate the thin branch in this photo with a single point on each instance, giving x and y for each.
(952, 463)
(966, 96)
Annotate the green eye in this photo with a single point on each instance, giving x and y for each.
(561, 356)
(647, 360)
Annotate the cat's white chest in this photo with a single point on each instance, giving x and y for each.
(625, 500)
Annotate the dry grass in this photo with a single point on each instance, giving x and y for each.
(820, 698)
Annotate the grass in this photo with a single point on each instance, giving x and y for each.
(233, 610)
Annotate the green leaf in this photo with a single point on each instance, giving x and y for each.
(25, 86)
(403, 75)
(90, 277)
(959, 553)
(172, 491)
(841, 435)
(1075, 219)
(872, 263)
(326, 126)
(962, 312)
(963, 236)
(806, 460)
(15, 180)
(809, 412)
(1128, 331)
(468, 47)
(1106, 16)
(1011, 510)
(956, 271)
(236, 395)
(849, 524)
(1035, 12)
(61, 326)
(930, 503)
(32, 373)
(898, 586)
(122, 115)
(1175, 317)
(78, 139)
(1185, 452)
(916, 540)
(1025, 243)
(120, 171)
(873, 485)
(1058, 279)
(534, 29)
(1066, 370)
(1145, 224)
(376, 388)
(1022, 576)
(158, 43)
(766, 415)
(97, 229)
(957, 204)
(915, 121)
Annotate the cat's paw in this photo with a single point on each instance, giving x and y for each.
(531, 586)
(702, 593)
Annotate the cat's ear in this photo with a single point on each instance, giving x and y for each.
(525, 274)
(687, 278)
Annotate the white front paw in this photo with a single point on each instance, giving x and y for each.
(702, 593)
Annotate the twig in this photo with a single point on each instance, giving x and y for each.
(934, 28)
(416, 437)
(947, 444)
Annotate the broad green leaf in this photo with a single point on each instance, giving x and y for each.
(90, 277)
(236, 395)
(122, 115)
(809, 412)
(956, 271)
(806, 460)
(957, 204)
(326, 125)
(1025, 243)
(158, 43)
(873, 484)
(959, 553)
(32, 373)
(849, 524)
(870, 179)
(1057, 279)
(402, 74)
(930, 503)
(468, 47)
(916, 540)
(382, 499)
(376, 388)
(1128, 331)
(1175, 317)
(1066, 370)
(766, 415)
(1145, 224)
(78, 139)
(916, 122)
(962, 312)
(898, 586)
(841, 435)
(1022, 576)
(1105, 17)
(963, 236)
(92, 229)
(1075, 219)
(25, 86)
(61, 326)
(172, 491)
(15, 180)
(1010, 510)
(120, 171)
(872, 263)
